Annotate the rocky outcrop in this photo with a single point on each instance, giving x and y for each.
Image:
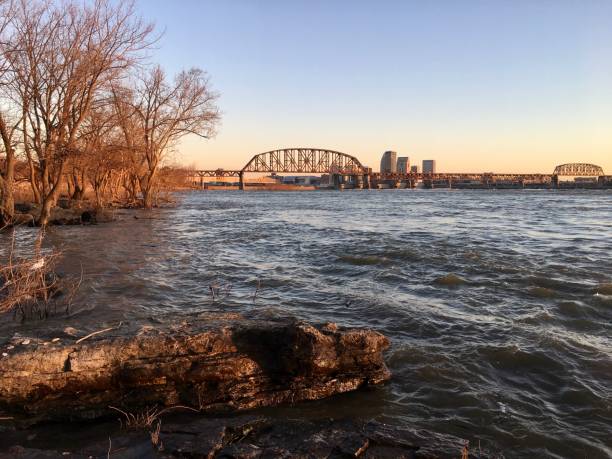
(211, 362)
(249, 437)
(78, 215)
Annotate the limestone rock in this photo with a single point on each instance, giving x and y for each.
(209, 363)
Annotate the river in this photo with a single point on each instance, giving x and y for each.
(498, 304)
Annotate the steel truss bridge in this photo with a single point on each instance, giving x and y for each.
(305, 160)
(338, 164)
(579, 170)
(297, 161)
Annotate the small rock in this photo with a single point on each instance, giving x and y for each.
(4, 354)
(88, 217)
(23, 207)
(55, 340)
(104, 216)
(330, 327)
(71, 331)
(25, 342)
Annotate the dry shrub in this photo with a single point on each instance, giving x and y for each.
(148, 419)
(140, 420)
(30, 287)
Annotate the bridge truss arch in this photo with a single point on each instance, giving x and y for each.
(305, 160)
(579, 170)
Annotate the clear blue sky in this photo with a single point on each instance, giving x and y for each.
(476, 85)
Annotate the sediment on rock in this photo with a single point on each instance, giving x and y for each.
(210, 363)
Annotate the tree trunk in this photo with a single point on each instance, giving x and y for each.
(7, 200)
(77, 195)
(77, 185)
(147, 198)
(45, 210)
(98, 188)
(50, 192)
(147, 188)
(7, 203)
(34, 182)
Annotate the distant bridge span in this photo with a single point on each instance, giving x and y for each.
(297, 161)
(338, 164)
(305, 160)
(579, 170)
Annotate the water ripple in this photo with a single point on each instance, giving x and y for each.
(498, 304)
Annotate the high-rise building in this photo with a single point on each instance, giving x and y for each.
(388, 162)
(403, 164)
(414, 169)
(429, 166)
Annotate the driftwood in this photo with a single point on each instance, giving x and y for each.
(80, 340)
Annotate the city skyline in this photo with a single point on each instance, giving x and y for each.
(479, 86)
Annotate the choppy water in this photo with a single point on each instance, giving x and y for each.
(498, 304)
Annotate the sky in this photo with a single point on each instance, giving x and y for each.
(502, 86)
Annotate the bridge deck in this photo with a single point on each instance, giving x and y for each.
(414, 176)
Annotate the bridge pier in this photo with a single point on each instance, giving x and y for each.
(366, 181)
(336, 181)
(241, 181)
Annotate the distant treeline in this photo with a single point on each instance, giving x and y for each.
(82, 107)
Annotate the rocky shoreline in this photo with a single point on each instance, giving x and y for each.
(210, 367)
(81, 213)
(251, 437)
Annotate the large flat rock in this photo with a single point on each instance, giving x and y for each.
(251, 437)
(209, 362)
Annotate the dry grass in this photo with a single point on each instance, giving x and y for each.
(149, 419)
(146, 418)
(140, 420)
(29, 287)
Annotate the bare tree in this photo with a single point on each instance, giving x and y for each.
(103, 154)
(8, 122)
(156, 113)
(70, 53)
